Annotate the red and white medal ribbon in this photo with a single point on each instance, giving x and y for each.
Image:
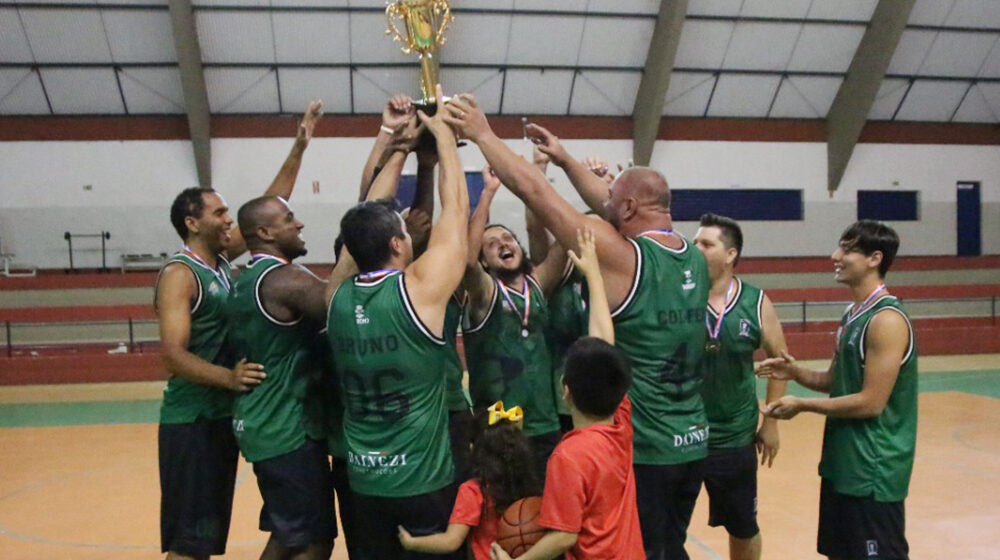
(526, 292)
(222, 278)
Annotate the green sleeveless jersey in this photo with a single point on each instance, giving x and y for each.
(874, 456)
(568, 319)
(272, 419)
(454, 393)
(183, 400)
(392, 377)
(661, 328)
(730, 388)
(506, 366)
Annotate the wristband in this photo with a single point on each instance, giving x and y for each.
(387, 130)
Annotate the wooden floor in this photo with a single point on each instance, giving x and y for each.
(89, 491)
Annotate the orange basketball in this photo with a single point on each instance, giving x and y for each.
(518, 527)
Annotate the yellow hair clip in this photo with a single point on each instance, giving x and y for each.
(497, 413)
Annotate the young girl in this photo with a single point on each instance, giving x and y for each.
(502, 474)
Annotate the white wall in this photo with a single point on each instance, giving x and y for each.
(133, 183)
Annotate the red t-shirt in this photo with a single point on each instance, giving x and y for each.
(590, 490)
(468, 510)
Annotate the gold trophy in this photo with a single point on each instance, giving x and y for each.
(425, 22)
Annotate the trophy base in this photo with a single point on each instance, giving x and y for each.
(426, 140)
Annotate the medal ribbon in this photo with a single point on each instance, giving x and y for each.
(201, 262)
(254, 257)
(663, 231)
(526, 291)
(713, 332)
(376, 275)
(859, 309)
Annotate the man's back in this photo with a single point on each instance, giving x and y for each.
(392, 376)
(661, 328)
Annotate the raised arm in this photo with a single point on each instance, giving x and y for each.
(421, 214)
(397, 112)
(539, 239)
(175, 290)
(284, 181)
(477, 283)
(433, 278)
(618, 258)
(600, 324)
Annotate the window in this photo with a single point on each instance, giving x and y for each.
(742, 204)
(888, 205)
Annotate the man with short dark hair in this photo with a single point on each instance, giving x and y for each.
(871, 424)
(741, 318)
(386, 330)
(197, 450)
(657, 285)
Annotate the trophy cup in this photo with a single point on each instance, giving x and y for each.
(424, 22)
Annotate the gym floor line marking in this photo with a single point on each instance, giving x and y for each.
(704, 547)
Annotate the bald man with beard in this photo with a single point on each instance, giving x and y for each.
(657, 287)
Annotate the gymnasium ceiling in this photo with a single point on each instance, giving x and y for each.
(736, 58)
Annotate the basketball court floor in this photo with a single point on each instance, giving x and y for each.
(79, 474)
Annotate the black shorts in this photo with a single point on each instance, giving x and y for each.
(731, 482)
(424, 514)
(297, 488)
(860, 528)
(542, 447)
(665, 496)
(197, 478)
(461, 426)
(345, 506)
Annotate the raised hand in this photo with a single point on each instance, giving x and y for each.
(398, 110)
(547, 143)
(539, 158)
(308, 123)
(464, 114)
(246, 376)
(600, 168)
(586, 262)
(781, 368)
(406, 136)
(491, 183)
(438, 124)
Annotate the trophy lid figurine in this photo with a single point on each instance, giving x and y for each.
(424, 24)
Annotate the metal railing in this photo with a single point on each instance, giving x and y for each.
(135, 333)
(805, 312)
(132, 334)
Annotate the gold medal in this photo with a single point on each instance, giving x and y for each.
(713, 346)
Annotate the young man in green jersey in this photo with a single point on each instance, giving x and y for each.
(740, 320)
(657, 284)
(871, 424)
(386, 329)
(197, 450)
(506, 328)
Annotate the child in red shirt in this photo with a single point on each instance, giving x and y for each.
(589, 500)
(501, 462)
